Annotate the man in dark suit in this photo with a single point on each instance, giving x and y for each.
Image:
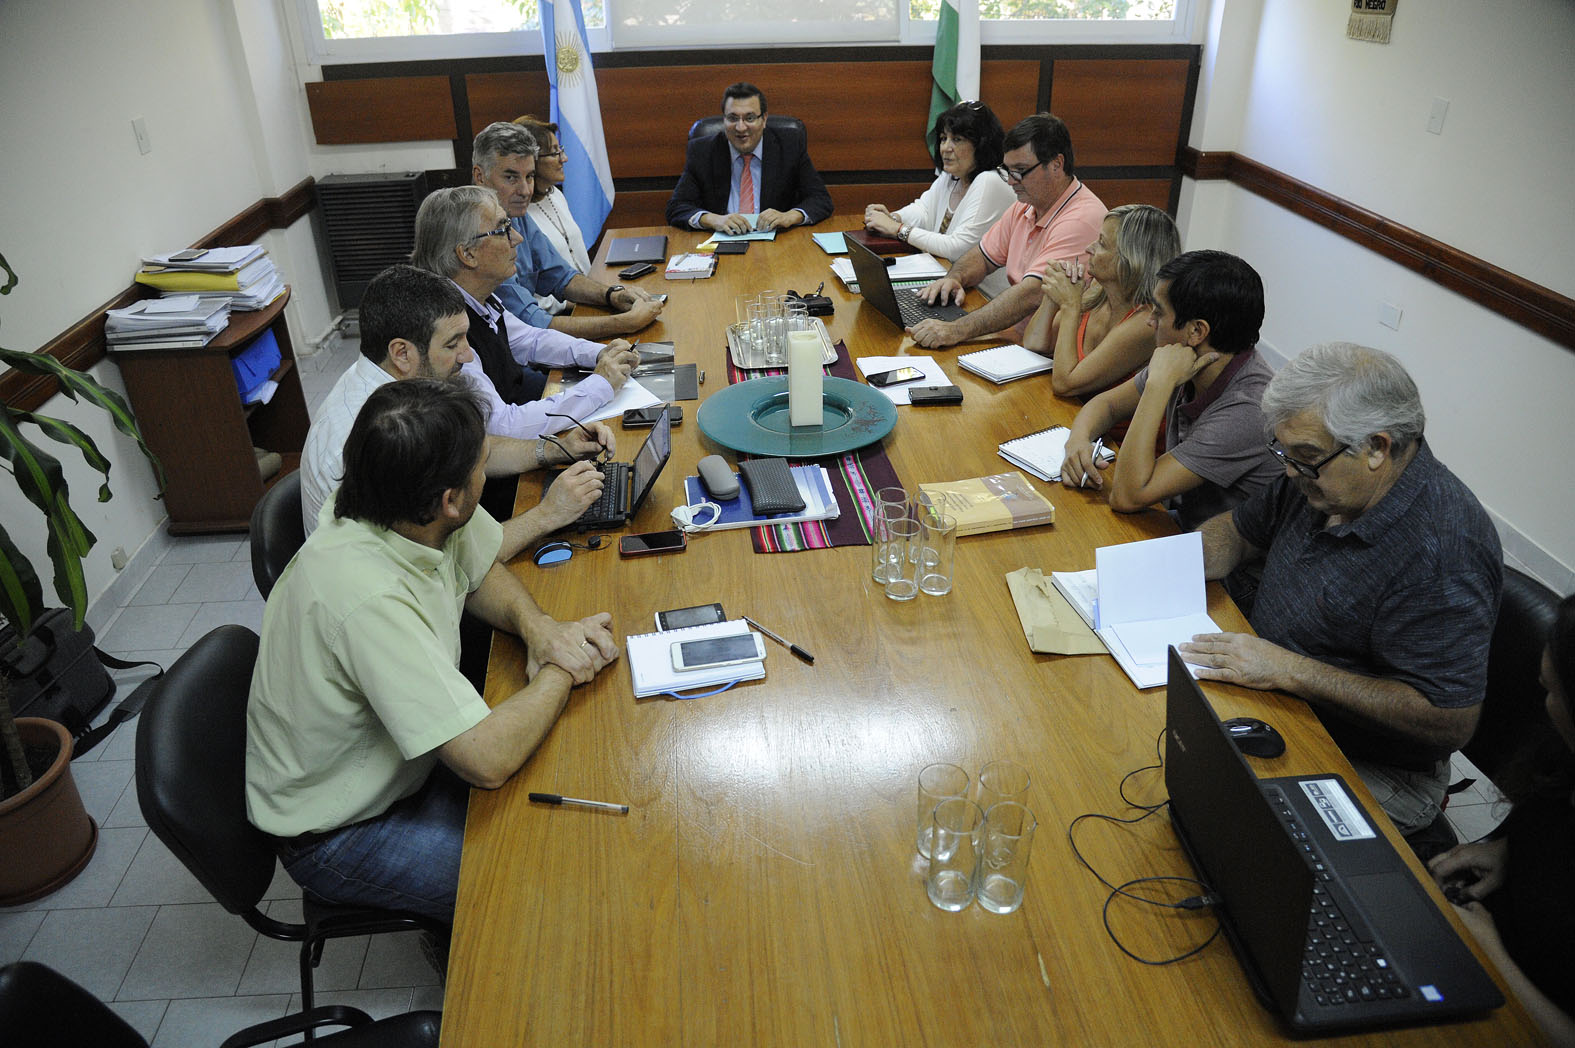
(746, 169)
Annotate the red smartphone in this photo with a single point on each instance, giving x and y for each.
(653, 542)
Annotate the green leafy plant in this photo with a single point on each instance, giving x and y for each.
(42, 482)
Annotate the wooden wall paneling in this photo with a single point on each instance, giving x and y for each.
(1009, 88)
(383, 109)
(1117, 191)
(1121, 111)
(504, 96)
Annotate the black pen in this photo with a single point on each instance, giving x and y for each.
(794, 648)
(558, 798)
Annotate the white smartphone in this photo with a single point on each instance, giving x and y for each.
(718, 651)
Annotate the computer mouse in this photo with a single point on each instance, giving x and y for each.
(1254, 738)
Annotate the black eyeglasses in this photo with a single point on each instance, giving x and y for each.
(743, 118)
(1017, 176)
(581, 426)
(1310, 471)
(502, 231)
(553, 152)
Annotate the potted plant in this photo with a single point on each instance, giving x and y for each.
(45, 834)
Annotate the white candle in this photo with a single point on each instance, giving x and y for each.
(804, 379)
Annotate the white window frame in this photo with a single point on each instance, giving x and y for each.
(321, 51)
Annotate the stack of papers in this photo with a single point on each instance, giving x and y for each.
(710, 243)
(650, 659)
(906, 269)
(176, 322)
(814, 487)
(1005, 363)
(242, 278)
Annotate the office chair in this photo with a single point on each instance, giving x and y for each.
(40, 1008)
(277, 531)
(191, 760)
(710, 125)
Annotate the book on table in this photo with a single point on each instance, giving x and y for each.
(690, 266)
(1150, 596)
(1000, 502)
(1005, 363)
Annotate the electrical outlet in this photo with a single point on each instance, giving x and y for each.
(1389, 315)
(139, 127)
(1435, 119)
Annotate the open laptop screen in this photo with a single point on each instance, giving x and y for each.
(649, 462)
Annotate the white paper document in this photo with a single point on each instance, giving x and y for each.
(933, 375)
(1151, 596)
(632, 395)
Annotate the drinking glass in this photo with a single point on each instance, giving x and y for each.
(1002, 781)
(936, 783)
(775, 338)
(880, 539)
(937, 550)
(955, 838)
(1003, 860)
(902, 559)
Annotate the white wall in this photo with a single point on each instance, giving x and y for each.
(214, 81)
(1290, 91)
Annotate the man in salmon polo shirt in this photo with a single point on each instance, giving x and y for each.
(1055, 218)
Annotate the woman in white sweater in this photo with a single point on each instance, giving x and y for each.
(550, 210)
(965, 201)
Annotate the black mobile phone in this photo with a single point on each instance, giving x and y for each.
(935, 395)
(699, 615)
(648, 416)
(191, 254)
(653, 542)
(893, 377)
(732, 247)
(639, 269)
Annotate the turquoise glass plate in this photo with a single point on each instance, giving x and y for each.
(752, 417)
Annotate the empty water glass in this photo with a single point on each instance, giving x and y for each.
(1003, 858)
(936, 783)
(955, 838)
(937, 549)
(1002, 781)
(902, 559)
(880, 539)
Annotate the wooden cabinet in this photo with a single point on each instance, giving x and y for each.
(192, 417)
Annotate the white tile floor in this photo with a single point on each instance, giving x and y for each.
(135, 928)
(138, 931)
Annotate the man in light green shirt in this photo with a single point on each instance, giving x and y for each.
(362, 735)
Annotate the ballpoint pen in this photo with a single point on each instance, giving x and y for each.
(558, 798)
(794, 648)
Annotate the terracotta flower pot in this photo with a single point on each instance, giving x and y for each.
(46, 836)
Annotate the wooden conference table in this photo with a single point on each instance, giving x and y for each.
(764, 889)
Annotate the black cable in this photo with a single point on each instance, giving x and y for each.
(1196, 902)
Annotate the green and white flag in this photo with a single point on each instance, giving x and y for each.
(954, 72)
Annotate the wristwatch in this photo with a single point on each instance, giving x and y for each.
(611, 292)
(903, 231)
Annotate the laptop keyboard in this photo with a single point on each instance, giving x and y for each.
(615, 481)
(1341, 964)
(912, 309)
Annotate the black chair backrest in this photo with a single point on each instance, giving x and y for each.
(277, 531)
(40, 1008)
(191, 768)
(710, 125)
(1513, 712)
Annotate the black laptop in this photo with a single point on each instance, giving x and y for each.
(625, 485)
(1331, 927)
(900, 305)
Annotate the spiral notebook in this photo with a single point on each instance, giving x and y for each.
(1005, 363)
(1039, 453)
(650, 658)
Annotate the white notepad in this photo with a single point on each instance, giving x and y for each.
(1039, 453)
(1150, 597)
(1005, 363)
(650, 658)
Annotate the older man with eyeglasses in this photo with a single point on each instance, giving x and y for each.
(1381, 578)
(1055, 219)
(748, 168)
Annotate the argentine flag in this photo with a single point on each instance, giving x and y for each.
(577, 111)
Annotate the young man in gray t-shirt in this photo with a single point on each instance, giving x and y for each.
(1197, 399)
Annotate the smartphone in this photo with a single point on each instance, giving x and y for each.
(653, 542)
(191, 254)
(639, 269)
(891, 378)
(718, 651)
(699, 615)
(732, 247)
(649, 416)
(935, 395)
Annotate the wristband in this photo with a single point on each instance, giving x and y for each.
(612, 291)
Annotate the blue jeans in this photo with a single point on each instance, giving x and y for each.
(1412, 799)
(405, 859)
